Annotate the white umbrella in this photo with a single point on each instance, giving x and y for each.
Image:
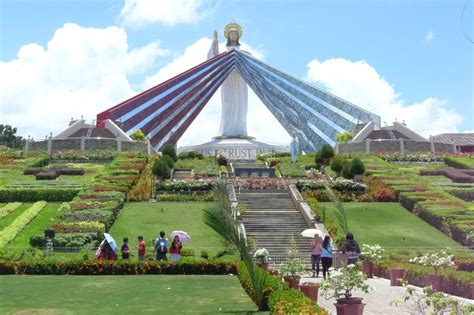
(183, 236)
(311, 233)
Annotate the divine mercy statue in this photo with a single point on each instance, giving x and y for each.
(234, 91)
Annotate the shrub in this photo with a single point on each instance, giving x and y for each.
(35, 194)
(336, 166)
(168, 149)
(318, 160)
(326, 152)
(6, 209)
(357, 167)
(93, 267)
(205, 254)
(68, 240)
(459, 162)
(346, 171)
(161, 169)
(47, 175)
(40, 162)
(12, 230)
(168, 161)
(138, 135)
(292, 302)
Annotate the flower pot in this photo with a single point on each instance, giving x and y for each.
(293, 281)
(339, 260)
(310, 290)
(436, 282)
(368, 268)
(395, 275)
(350, 306)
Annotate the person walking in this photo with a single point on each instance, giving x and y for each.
(351, 247)
(175, 249)
(125, 249)
(141, 249)
(161, 247)
(326, 255)
(316, 254)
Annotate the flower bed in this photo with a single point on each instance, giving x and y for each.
(342, 185)
(115, 268)
(35, 194)
(193, 196)
(411, 157)
(77, 155)
(456, 175)
(261, 183)
(185, 185)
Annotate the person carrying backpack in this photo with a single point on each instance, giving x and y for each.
(161, 247)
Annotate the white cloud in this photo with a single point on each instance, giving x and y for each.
(359, 83)
(138, 13)
(82, 71)
(429, 36)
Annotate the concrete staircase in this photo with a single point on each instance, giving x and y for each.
(271, 219)
(181, 174)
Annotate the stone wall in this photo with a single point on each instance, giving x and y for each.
(394, 146)
(89, 145)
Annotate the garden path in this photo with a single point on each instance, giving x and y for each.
(377, 302)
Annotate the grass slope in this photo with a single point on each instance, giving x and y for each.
(36, 227)
(123, 294)
(390, 225)
(148, 219)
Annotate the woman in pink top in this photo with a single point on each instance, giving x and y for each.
(316, 254)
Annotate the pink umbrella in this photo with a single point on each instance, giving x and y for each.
(183, 236)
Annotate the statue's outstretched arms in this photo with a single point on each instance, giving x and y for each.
(214, 50)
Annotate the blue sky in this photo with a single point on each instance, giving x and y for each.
(415, 52)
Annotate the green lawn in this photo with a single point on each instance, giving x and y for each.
(44, 219)
(390, 225)
(123, 294)
(148, 219)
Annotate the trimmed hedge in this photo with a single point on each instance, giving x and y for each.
(115, 268)
(8, 208)
(68, 240)
(35, 194)
(459, 162)
(455, 282)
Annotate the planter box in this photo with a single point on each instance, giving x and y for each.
(436, 282)
(293, 282)
(368, 268)
(395, 275)
(310, 290)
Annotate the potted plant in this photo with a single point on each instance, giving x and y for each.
(370, 255)
(262, 257)
(340, 258)
(437, 260)
(340, 284)
(293, 267)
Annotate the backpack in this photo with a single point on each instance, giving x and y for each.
(161, 249)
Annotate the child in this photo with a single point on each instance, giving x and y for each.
(125, 250)
(141, 248)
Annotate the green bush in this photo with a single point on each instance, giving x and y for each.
(336, 165)
(40, 162)
(6, 209)
(168, 149)
(168, 161)
(205, 254)
(460, 162)
(326, 152)
(187, 252)
(357, 167)
(346, 170)
(318, 160)
(292, 302)
(207, 197)
(35, 194)
(68, 240)
(161, 169)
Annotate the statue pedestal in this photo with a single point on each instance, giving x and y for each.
(234, 149)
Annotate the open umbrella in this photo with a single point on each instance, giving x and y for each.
(111, 241)
(311, 233)
(183, 236)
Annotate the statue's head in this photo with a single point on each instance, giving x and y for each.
(233, 32)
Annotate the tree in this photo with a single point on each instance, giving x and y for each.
(138, 135)
(346, 170)
(344, 137)
(168, 161)
(357, 167)
(327, 153)
(161, 169)
(9, 138)
(336, 166)
(168, 149)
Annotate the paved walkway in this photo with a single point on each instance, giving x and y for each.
(377, 302)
